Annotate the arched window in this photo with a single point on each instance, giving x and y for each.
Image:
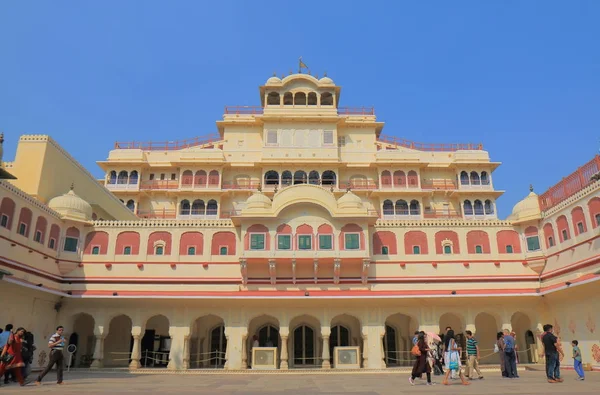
(304, 346)
(112, 178)
(187, 178)
(475, 178)
(288, 99)
(198, 207)
(468, 207)
(200, 178)
(212, 208)
(159, 250)
(328, 178)
(413, 179)
(286, 178)
(122, 178)
(386, 179)
(399, 178)
(271, 178)
(313, 177)
(312, 99)
(340, 337)
(133, 177)
(478, 206)
(213, 178)
(447, 249)
(300, 99)
(300, 177)
(191, 251)
(464, 178)
(273, 99)
(327, 99)
(401, 207)
(131, 205)
(485, 180)
(414, 207)
(388, 207)
(184, 208)
(218, 346)
(488, 207)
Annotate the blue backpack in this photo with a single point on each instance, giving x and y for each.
(509, 344)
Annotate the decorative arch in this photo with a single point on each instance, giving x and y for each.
(388, 207)
(349, 229)
(257, 228)
(130, 205)
(413, 179)
(128, 239)
(328, 177)
(198, 207)
(118, 341)
(327, 99)
(273, 99)
(384, 238)
(41, 225)
(464, 178)
(386, 179)
(271, 178)
(314, 178)
(549, 235)
(159, 237)
(312, 99)
(96, 239)
(187, 178)
(475, 180)
(578, 218)
(25, 217)
(300, 177)
(123, 177)
(304, 194)
(478, 207)
(112, 177)
(401, 207)
(300, 99)
(507, 240)
(399, 178)
(7, 212)
(288, 99)
(468, 207)
(200, 178)
(594, 209)
(442, 236)
(53, 237)
(133, 177)
(287, 178)
(213, 178)
(562, 225)
(221, 241)
(193, 240)
(415, 238)
(184, 207)
(477, 238)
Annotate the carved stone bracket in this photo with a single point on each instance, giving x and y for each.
(337, 266)
(293, 270)
(365, 270)
(244, 270)
(273, 271)
(315, 269)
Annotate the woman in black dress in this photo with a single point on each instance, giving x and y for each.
(421, 365)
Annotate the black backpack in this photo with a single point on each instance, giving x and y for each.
(27, 350)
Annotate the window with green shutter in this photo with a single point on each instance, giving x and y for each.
(304, 242)
(416, 250)
(384, 250)
(447, 249)
(191, 250)
(351, 241)
(533, 243)
(284, 242)
(325, 242)
(71, 244)
(127, 250)
(478, 250)
(257, 241)
(509, 249)
(223, 251)
(96, 250)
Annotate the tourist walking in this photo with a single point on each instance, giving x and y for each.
(10, 357)
(551, 350)
(4, 335)
(56, 345)
(499, 348)
(472, 357)
(27, 353)
(510, 359)
(577, 364)
(452, 358)
(421, 365)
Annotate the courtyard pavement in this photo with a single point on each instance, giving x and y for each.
(86, 382)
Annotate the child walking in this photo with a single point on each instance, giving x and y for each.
(577, 360)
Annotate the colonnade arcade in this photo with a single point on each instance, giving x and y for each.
(304, 341)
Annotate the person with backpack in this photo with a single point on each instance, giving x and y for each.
(419, 351)
(510, 358)
(27, 353)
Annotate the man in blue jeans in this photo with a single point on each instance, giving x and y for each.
(551, 350)
(510, 357)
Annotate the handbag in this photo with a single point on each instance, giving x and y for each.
(415, 351)
(453, 361)
(6, 358)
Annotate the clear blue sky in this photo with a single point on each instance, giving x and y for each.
(523, 77)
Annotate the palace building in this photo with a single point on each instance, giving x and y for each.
(299, 235)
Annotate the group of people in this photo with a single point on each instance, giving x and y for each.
(16, 355)
(430, 349)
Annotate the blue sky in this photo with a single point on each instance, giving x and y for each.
(523, 77)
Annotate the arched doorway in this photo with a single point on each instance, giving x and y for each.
(83, 337)
(345, 331)
(208, 343)
(156, 343)
(266, 329)
(456, 322)
(118, 342)
(305, 342)
(397, 340)
(486, 330)
(521, 324)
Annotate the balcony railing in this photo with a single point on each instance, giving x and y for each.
(432, 214)
(168, 145)
(570, 185)
(159, 213)
(123, 187)
(244, 110)
(240, 185)
(434, 184)
(386, 184)
(258, 110)
(356, 110)
(359, 184)
(159, 184)
(414, 215)
(482, 185)
(428, 146)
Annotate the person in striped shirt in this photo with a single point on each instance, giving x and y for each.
(56, 343)
(472, 357)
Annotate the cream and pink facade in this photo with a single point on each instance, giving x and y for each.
(300, 223)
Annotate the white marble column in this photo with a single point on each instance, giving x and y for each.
(135, 352)
(284, 333)
(186, 352)
(98, 350)
(325, 332)
(244, 352)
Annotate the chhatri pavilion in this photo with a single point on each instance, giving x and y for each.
(298, 235)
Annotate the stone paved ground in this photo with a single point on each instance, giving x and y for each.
(531, 382)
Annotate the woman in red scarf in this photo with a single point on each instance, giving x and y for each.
(12, 355)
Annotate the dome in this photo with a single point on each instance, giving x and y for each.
(527, 209)
(273, 81)
(258, 201)
(326, 81)
(70, 206)
(350, 200)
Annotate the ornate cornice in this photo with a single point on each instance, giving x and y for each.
(432, 223)
(165, 223)
(593, 187)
